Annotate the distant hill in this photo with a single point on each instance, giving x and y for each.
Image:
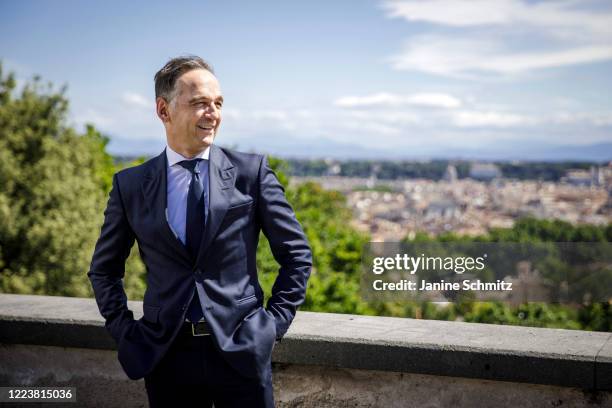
(319, 148)
(515, 150)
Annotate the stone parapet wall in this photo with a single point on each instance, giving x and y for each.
(328, 360)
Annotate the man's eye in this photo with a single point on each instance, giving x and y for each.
(219, 104)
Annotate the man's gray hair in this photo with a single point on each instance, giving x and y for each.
(165, 78)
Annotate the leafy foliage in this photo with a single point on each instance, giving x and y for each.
(53, 184)
(50, 200)
(336, 248)
(590, 316)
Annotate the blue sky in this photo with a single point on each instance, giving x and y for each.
(338, 78)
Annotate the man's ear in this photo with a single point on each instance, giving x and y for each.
(162, 109)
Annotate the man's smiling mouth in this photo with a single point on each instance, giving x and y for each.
(205, 127)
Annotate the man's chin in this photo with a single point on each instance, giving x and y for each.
(208, 140)
(206, 136)
(204, 144)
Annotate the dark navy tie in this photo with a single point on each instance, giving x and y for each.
(194, 226)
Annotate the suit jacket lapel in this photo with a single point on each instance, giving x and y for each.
(222, 177)
(154, 189)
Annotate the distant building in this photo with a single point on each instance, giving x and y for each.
(442, 208)
(484, 171)
(597, 176)
(579, 177)
(333, 169)
(375, 169)
(528, 286)
(450, 174)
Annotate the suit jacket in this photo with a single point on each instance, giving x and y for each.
(245, 198)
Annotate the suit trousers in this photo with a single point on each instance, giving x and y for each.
(193, 373)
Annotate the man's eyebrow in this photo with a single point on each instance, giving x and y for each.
(199, 98)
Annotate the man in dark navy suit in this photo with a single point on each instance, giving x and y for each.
(196, 211)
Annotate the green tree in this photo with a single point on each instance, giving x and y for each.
(336, 248)
(570, 261)
(51, 192)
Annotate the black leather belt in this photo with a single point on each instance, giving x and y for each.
(196, 329)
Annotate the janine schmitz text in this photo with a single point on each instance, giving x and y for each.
(425, 285)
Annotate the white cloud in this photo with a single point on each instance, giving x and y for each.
(428, 100)
(589, 118)
(501, 37)
(93, 116)
(137, 100)
(370, 100)
(393, 117)
(551, 16)
(434, 100)
(265, 114)
(237, 121)
(454, 13)
(490, 119)
(466, 57)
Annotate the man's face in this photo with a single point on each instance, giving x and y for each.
(194, 113)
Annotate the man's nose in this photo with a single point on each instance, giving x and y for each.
(211, 111)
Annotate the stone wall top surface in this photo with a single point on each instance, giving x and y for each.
(571, 358)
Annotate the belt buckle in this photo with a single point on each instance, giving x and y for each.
(197, 332)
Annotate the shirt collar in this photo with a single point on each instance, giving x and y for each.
(174, 157)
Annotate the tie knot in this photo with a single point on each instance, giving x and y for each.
(190, 165)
